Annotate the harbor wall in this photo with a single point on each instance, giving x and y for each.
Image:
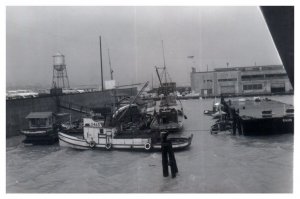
(18, 109)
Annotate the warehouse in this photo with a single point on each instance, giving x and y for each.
(241, 80)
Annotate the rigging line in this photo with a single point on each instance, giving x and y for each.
(161, 74)
(162, 43)
(169, 76)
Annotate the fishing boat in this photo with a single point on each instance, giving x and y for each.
(169, 115)
(129, 127)
(97, 136)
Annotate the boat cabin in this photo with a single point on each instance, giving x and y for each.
(168, 115)
(169, 100)
(40, 120)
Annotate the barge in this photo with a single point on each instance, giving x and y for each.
(263, 117)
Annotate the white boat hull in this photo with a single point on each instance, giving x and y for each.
(121, 143)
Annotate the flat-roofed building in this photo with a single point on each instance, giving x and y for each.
(241, 80)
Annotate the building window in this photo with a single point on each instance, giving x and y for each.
(252, 87)
(252, 77)
(261, 77)
(206, 92)
(276, 76)
(38, 122)
(227, 80)
(207, 80)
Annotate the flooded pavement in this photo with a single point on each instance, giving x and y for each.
(219, 163)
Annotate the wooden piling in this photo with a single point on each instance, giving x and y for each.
(172, 160)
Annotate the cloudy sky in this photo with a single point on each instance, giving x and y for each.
(213, 35)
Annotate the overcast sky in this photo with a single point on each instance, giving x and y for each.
(213, 35)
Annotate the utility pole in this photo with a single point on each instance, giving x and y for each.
(102, 84)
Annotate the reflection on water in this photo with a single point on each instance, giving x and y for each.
(219, 163)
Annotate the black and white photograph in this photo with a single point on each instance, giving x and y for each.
(149, 99)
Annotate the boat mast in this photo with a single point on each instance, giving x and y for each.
(164, 70)
(101, 64)
(111, 71)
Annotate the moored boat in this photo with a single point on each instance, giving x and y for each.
(178, 143)
(107, 138)
(129, 127)
(42, 128)
(216, 107)
(169, 115)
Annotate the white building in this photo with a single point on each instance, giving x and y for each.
(241, 80)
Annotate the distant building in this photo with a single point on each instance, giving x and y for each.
(241, 80)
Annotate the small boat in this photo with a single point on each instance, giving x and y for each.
(218, 114)
(215, 108)
(208, 112)
(257, 99)
(221, 125)
(44, 127)
(97, 136)
(191, 95)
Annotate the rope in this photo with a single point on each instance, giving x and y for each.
(195, 130)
